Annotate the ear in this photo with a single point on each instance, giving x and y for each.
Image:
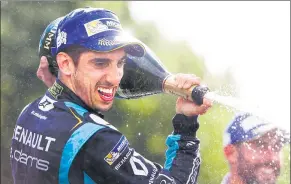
(65, 63)
(231, 153)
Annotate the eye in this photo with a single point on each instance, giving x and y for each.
(101, 64)
(121, 62)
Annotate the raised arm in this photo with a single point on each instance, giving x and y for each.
(109, 158)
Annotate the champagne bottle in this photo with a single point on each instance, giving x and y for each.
(143, 76)
(146, 75)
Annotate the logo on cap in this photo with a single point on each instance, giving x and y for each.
(113, 24)
(94, 27)
(106, 42)
(62, 38)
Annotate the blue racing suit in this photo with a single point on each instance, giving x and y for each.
(59, 139)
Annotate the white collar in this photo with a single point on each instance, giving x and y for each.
(225, 179)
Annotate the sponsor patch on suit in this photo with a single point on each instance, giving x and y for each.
(114, 154)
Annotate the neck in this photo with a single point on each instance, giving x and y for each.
(234, 178)
(68, 83)
(61, 90)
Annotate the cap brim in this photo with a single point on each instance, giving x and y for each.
(110, 43)
(281, 134)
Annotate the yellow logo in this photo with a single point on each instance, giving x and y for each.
(94, 27)
(111, 157)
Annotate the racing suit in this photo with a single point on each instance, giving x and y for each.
(59, 139)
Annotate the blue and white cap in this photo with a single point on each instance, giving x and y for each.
(245, 127)
(97, 29)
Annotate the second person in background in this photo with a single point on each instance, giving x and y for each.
(253, 149)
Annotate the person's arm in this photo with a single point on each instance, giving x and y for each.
(182, 157)
(108, 157)
(44, 74)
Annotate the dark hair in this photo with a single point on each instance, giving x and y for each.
(74, 51)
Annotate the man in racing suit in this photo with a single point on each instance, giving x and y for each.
(62, 136)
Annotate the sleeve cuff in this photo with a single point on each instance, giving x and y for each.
(185, 125)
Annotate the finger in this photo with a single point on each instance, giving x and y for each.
(178, 79)
(43, 72)
(207, 108)
(190, 83)
(204, 107)
(190, 80)
(175, 80)
(43, 62)
(194, 79)
(207, 102)
(204, 110)
(187, 84)
(44, 66)
(181, 83)
(39, 72)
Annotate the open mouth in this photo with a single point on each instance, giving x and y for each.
(106, 94)
(266, 173)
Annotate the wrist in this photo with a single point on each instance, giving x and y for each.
(185, 125)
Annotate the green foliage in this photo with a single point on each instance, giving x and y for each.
(146, 122)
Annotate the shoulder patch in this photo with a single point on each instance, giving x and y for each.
(46, 103)
(114, 154)
(101, 121)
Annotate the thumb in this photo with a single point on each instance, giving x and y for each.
(43, 62)
(43, 72)
(41, 68)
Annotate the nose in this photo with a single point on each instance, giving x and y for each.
(272, 155)
(114, 74)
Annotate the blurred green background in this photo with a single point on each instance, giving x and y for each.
(146, 122)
